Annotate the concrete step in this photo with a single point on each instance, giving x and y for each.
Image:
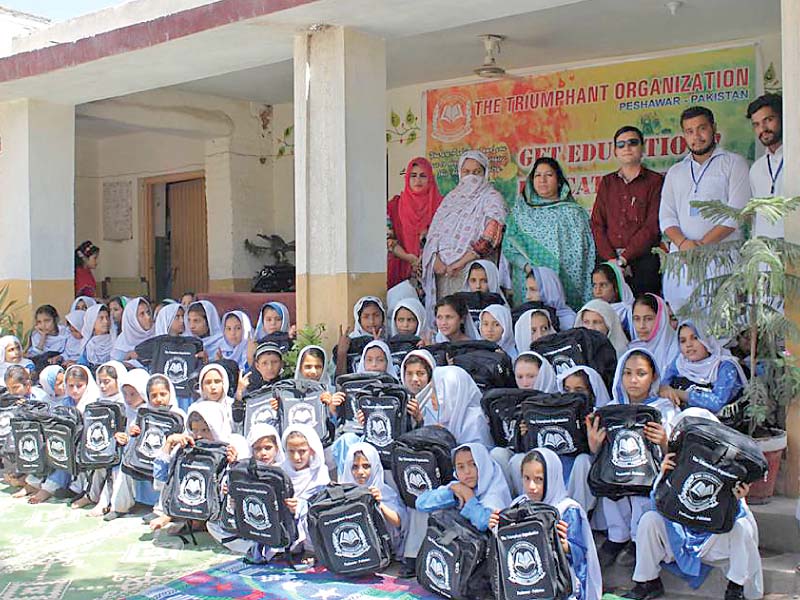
(781, 580)
(778, 530)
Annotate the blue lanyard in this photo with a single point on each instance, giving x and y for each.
(702, 173)
(774, 177)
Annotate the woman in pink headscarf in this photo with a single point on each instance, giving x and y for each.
(409, 216)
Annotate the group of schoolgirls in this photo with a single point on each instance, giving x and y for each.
(657, 365)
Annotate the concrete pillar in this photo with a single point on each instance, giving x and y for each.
(37, 179)
(790, 42)
(340, 173)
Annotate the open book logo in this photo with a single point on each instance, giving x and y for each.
(524, 564)
(28, 448)
(97, 437)
(452, 117)
(176, 370)
(152, 441)
(349, 541)
(192, 490)
(628, 450)
(57, 449)
(256, 513)
(436, 569)
(556, 438)
(379, 430)
(416, 480)
(302, 413)
(700, 492)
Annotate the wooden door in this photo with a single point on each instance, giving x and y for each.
(186, 201)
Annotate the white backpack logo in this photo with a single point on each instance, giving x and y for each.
(28, 448)
(524, 564)
(192, 490)
(436, 569)
(379, 429)
(699, 492)
(256, 513)
(176, 370)
(556, 438)
(302, 413)
(97, 438)
(349, 541)
(152, 442)
(417, 480)
(628, 450)
(57, 449)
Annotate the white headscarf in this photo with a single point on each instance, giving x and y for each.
(96, 347)
(424, 395)
(306, 481)
(663, 341)
(133, 333)
(90, 393)
(173, 397)
(137, 379)
(668, 410)
(5, 342)
(325, 379)
(390, 368)
(492, 276)
(165, 318)
(376, 476)
(213, 413)
(358, 331)
(262, 430)
(226, 401)
(212, 341)
(522, 329)
(236, 353)
(623, 307)
(459, 401)
(705, 371)
(73, 345)
(401, 291)
(279, 308)
(552, 293)
(55, 342)
(47, 380)
(546, 379)
(599, 389)
(555, 494)
(413, 305)
(88, 300)
(469, 330)
(502, 314)
(121, 371)
(615, 333)
(492, 490)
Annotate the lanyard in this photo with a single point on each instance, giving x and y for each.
(702, 173)
(774, 177)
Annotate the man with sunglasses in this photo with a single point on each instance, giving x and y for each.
(766, 174)
(707, 173)
(625, 214)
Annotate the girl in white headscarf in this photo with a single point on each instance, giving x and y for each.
(47, 335)
(542, 284)
(456, 405)
(467, 225)
(608, 283)
(272, 318)
(214, 386)
(170, 320)
(496, 326)
(651, 329)
(202, 321)
(598, 315)
(74, 342)
(237, 331)
(532, 325)
(11, 354)
(377, 358)
(404, 315)
(312, 365)
(543, 481)
(584, 380)
(137, 326)
(82, 303)
(97, 336)
(453, 321)
(482, 276)
(533, 371)
(49, 382)
(369, 317)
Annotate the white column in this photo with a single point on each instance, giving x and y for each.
(340, 172)
(37, 179)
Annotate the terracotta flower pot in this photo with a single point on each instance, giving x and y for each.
(761, 491)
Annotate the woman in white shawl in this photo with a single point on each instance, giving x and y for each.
(582, 554)
(229, 347)
(97, 335)
(598, 315)
(467, 225)
(413, 306)
(212, 336)
(496, 326)
(524, 328)
(137, 326)
(362, 466)
(456, 405)
(551, 292)
(651, 329)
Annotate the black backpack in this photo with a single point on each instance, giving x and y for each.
(477, 301)
(257, 493)
(258, 409)
(452, 560)
(301, 405)
(62, 432)
(140, 452)
(485, 362)
(400, 345)
(711, 459)
(526, 556)
(555, 421)
(422, 461)
(385, 419)
(174, 356)
(733, 414)
(347, 529)
(579, 346)
(9, 405)
(192, 489)
(29, 444)
(279, 338)
(357, 345)
(501, 406)
(98, 449)
(518, 311)
(627, 463)
(355, 384)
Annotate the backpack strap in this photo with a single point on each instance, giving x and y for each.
(448, 538)
(336, 492)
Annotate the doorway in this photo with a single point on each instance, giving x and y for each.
(173, 233)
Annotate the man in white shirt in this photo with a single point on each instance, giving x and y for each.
(766, 174)
(707, 173)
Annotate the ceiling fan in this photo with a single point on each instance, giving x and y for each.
(490, 69)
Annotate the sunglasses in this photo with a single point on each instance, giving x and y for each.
(632, 143)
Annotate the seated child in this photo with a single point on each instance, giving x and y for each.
(97, 337)
(408, 318)
(236, 333)
(48, 338)
(532, 325)
(533, 371)
(202, 321)
(453, 321)
(599, 316)
(543, 285)
(267, 369)
(496, 326)
(170, 320)
(74, 343)
(11, 354)
(18, 381)
(136, 327)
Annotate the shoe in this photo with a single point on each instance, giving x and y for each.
(646, 590)
(111, 515)
(627, 558)
(734, 591)
(607, 555)
(149, 517)
(409, 568)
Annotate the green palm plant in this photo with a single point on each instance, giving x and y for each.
(745, 296)
(10, 323)
(310, 335)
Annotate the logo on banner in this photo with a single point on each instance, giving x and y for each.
(302, 413)
(349, 541)
(28, 448)
(255, 513)
(379, 430)
(176, 370)
(416, 480)
(699, 492)
(192, 490)
(556, 438)
(452, 117)
(628, 450)
(97, 438)
(436, 569)
(524, 564)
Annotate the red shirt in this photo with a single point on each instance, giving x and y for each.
(85, 285)
(625, 215)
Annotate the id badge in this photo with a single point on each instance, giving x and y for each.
(693, 210)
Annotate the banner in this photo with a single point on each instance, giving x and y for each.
(571, 116)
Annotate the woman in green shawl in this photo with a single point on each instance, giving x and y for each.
(547, 227)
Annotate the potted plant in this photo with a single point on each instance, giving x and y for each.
(739, 292)
(10, 324)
